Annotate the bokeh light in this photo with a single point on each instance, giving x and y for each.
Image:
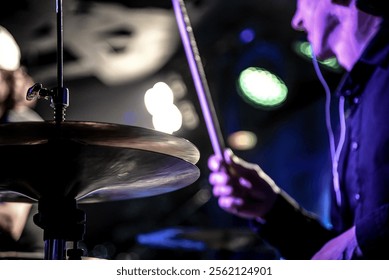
(166, 117)
(261, 87)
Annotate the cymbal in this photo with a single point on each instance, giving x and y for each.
(91, 161)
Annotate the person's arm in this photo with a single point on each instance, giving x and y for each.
(368, 239)
(13, 217)
(245, 190)
(372, 233)
(295, 232)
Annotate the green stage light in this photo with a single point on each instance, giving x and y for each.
(261, 88)
(304, 49)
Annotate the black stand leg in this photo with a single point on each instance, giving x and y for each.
(55, 249)
(61, 221)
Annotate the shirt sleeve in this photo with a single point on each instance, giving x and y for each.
(295, 232)
(374, 246)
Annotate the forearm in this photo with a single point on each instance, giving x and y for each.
(296, 233)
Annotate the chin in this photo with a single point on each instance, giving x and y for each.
(320, 48)
(323, 53)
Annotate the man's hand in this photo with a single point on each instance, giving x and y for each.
(243, 188)
(343, 247)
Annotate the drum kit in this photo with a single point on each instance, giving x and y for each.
(59, 164)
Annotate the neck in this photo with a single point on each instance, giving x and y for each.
(355, 38)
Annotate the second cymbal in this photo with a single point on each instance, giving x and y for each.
(92, 162)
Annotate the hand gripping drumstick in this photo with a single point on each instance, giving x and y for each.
(198, 75)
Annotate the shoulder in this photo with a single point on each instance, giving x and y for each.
(23, 115)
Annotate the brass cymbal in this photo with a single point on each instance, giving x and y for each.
(91, 161)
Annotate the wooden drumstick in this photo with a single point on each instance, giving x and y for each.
(198, 75)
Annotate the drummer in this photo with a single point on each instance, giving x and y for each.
(14, 82)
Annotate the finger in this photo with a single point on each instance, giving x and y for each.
(214, 163)
(218, 178)
(222, 190)
(228, 154)
(230, 203)
(238, 207)
(251, 177)
(236, 186)
(245, 183)
(237, 166)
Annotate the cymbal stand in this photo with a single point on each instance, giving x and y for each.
(59, 96)
(58, 215)
(61, 221)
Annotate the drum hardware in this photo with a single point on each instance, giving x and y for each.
(69, 162)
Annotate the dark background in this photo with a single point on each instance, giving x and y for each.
(99, 35)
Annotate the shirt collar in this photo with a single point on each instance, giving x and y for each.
(375, 55)
(377, 51)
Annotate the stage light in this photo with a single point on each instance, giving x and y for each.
(169, 120)
(304, 49)
(158, 97)
(261, 87)
(247, 35)
(242, 140)
(166, 117)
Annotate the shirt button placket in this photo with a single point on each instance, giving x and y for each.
(354, 148)
(354, 145)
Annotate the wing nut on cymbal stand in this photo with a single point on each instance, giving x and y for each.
(59, 97)
(37, 91)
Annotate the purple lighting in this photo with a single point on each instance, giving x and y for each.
(247, 35)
